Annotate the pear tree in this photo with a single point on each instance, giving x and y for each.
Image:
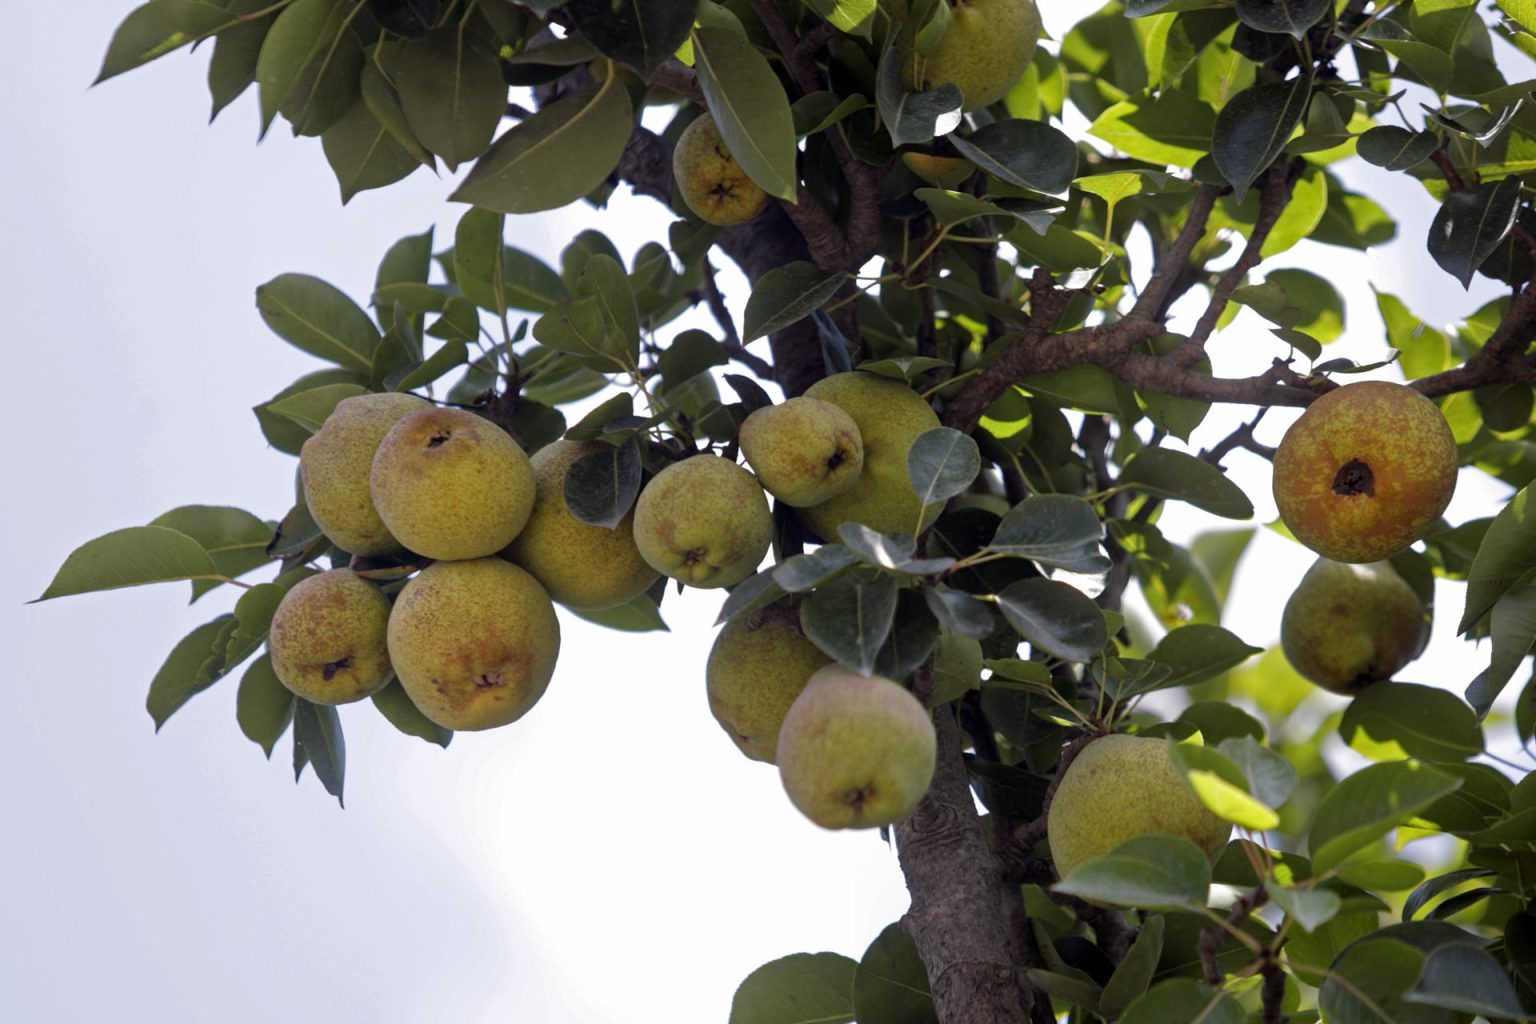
(997, 284)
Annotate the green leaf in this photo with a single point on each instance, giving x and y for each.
(1290, 17)
(637, 616)
(749, 107)
(1136, 970)
(1271, 778)
(914, 117)
(450, 355)
(756, 591)
(1054, 530)
(890, 985)
(1221, 787)
(398, 709)
(1184, 1001)
(383, 102)
(1254, 127)
(1439, 884)
(1310, 908)
(1369, 804)
(1468, 980)
(309, 66)
(363, 154)
(1379, 969)
(451, 92)
(317, 317)
(959, 612)
(308, 410)
(1421, 721)
(785, 295)
(232, 69)
(1171, 474)
(253, 618)
(894, 551)
(155, 29)
(1007, 790)
(1394, 148)
(600, 487)
(1027, 154)
(942, 463)
(194, 664)
(1471, 224)
(555, 157)
(1151, 872)
(263, 706)
(128, 558)
(1055, 618)
(850, 623)
(235, 540)
(317, 729)
(803, 988)
(1507, 553)
(1172, 128)
(804, 572)
(1512, 627)
(633, 32)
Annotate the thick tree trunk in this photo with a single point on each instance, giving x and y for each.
(956, 917)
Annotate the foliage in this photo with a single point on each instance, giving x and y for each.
(1020, 304)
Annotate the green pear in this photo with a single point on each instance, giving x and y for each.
(753, 676)
(1350, 625)
(710, 180)
(804, 451)
(1118, 788)
(890, 416)
(582, 566)
(957, 665)
(334, 465)
(451, 485)
(474, 643)
(704, 521)
(856, 751)
(986, 48)
(327, 640)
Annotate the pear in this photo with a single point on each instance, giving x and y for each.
(1365, 471)
(1121, 787)
(474, 643)
(334, 465)
(890, 416)
(704, 521)
(582, 566)
(985, 49)
(1348, 626)
(804, 451)
(856, 751)
(327, 640)
(753, 676)
(710, 180)
(451, 485)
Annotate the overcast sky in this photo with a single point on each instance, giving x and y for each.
(609, 858)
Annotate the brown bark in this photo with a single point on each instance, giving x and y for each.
(955, 918)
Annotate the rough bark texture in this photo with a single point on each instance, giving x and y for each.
(955, 918)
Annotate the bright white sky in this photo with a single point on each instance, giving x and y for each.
(610, 858)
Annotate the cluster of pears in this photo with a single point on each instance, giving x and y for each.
(1360, 476)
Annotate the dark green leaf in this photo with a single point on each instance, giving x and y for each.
(1176, 475)
(253, 617)
(555, 157)
(637, 616)
(308, 410)
(194, 664)
(1184, 1001)
(383, 102)
(1394, 148)
(317, 317)
(1054, 618)
(1153, 872)
(1254, 127)
(1466, 979)
(942, 463)
(235, 540)
(1007, 790)
(1369, 804)
(263, 706)
(1271, 778)
(309, 66)
(363, 154)
(1053, 529)
(894, 551)
(754, 592)
(1507, 553)
(1290, 17)
(911, 640)
(749, 107)
(850, 623)
(803, 988)
(155, 29)
(1027, 154)
(451, 92)
(785, 295)
(959, 612)
(1424, 721)
(128, 558)
(634, 32)
(317, 728)
(803, 572)
(1439, 884)
(1471, 224)
(1310, 908)
(890, 985)
(232, 69)
(1200, 651)
(396, 706)
(914, 117)
(601, 487)
(1135, 972)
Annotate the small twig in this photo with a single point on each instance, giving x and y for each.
(1154, 299)
(1242, 437)
(679, 78)
(1215, 936)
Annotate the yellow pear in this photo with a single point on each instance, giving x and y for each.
(582, 566)
(943, 171)
(327, 640)
(1348, 626)
(1121, 787)
(985, 49)
(752, 678)
(804, 451)
(451, 485)
(474, 643)
(704, 521)
(856, 751)
(710, 180)
(890, 416)
(334, 465)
